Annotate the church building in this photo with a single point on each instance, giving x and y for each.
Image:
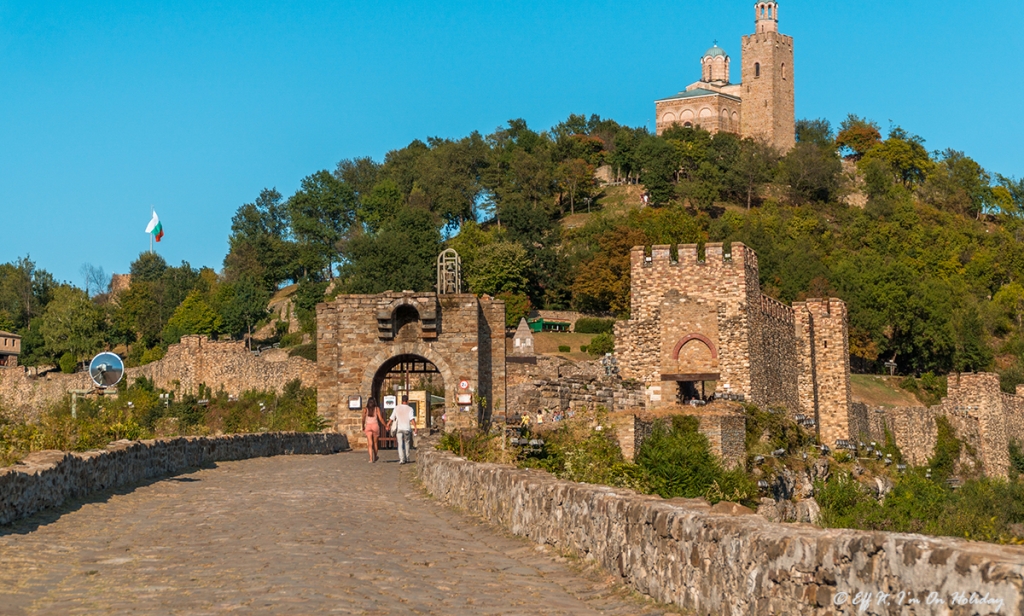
(761, 106)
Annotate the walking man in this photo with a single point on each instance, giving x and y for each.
(404, 418)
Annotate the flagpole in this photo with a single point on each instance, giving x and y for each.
(151, 210)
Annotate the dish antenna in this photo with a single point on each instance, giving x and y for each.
(106, 370)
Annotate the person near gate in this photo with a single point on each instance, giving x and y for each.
(403, 421)
(373, 422)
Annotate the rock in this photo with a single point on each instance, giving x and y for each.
(784, 486)
(820, 471)
(808, 511)
(727, 508)
(804, 486)
(777, 511)
(858, 470)
(883, 486)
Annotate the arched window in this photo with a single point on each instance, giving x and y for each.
(757, 69)
(688, 125)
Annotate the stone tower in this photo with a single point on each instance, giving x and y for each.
(768, 92)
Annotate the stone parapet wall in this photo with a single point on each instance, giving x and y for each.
(557, 385)
(682, 552)
(196, 360)
(49, 478)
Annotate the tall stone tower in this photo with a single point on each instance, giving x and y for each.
(768, 94)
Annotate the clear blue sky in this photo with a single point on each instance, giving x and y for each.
(108, 108)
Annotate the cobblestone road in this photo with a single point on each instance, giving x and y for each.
(287, 535)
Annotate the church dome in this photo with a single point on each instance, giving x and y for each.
(715, 52)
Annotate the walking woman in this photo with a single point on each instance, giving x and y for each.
(373, 421)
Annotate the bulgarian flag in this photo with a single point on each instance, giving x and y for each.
(155, 227)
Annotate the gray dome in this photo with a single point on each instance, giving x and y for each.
(715, 52)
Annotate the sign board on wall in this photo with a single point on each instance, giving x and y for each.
(390, 402)
(465, 399)
(463, 384)
(355, 402)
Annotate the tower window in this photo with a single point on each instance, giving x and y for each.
(757, 69)
(783, 71)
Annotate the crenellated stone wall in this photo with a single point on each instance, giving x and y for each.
(984, 418)
(48, 478)
(713, 561)
(196, 360)
(698, 320)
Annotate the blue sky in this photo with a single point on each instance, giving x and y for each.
(109, 108)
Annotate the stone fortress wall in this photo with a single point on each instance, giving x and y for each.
(196, 360)
(715, 560)
(984, 418)
(705, 319)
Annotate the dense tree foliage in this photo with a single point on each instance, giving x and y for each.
(929, 260)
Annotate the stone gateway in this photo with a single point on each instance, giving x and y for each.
(372, 345)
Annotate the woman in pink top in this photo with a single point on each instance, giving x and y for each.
(372, 422)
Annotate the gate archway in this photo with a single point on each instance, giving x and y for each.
(410, 375)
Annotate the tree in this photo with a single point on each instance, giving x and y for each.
(321, 213)
(500, 268)
(95, 279)
(856, 136)
(138, 311)
(812, 173)
(380, 205)
(243, 305)
(401, 256)
(755, 166)
(958, 184)
(818, 132)
(71, 323)
(659, 164)
(905, 156)
(576, 179)
(260, 246)
(517, 307)
(361, 174)
(149, 267)
(192, 316)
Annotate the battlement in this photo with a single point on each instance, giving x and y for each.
(688, 255)
(774, 309)
(823, 307)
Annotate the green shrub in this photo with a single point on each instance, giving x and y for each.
(152, 355)
(589, 325)
(1016, 458)
(601, 344)
(564, 348)
(304, 350)
(583, 348)
(946, 452)
(678, 461)
(68, 363)
(291, 340)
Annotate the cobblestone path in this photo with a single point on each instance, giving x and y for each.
(287, 535)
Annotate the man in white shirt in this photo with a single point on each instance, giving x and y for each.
(404, 418)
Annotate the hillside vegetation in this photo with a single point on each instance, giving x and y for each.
(931, 267)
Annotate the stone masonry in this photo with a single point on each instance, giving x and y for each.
(361, 336)
(710, 560)
(705, 321)
(985, 419)
(195, 361)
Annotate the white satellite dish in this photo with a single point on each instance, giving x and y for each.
(106, 370)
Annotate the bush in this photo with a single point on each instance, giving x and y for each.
(152, 355)
(304, 350)
(601, 344)
(583, 348)
(291, 340)
(564, 348)
(595, 326)
(68, 363)
(677, 461)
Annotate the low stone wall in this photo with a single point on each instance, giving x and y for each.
(48, 478)
(685, 553)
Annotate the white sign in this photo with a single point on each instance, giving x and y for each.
(465, 399)
(390, 402)
(355, 402)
